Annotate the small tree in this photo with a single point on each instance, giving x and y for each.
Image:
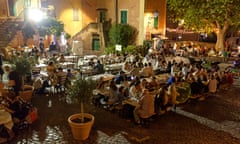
(23, 65)
(50, 26)
(122, 34)
(81, 92)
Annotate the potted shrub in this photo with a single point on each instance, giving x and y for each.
(23, 66)
(81, 92)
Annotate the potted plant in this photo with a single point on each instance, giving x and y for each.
(23, 66)
(81, 92)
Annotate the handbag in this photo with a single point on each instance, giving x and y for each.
(32, 115)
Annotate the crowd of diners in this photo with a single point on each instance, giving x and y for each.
(139, 81)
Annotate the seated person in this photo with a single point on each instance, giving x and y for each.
(172, 93)
(212, 84)
(123, 93)
(161, 100)
(61, 73)
(144, 83)
(61, 78)
(171, 80)
(99, 68)
(135, 90)
(126, 67)
(5, 77)
(236, 63)
(62, 59)
(135, 71)
(53, 58)
(6, 123)
(147, 71)
(120, 78)
(153, 83)
(113, 96)
(99, 92)
(204, 81)
(195, 88)
(145, 108)
(51, 68)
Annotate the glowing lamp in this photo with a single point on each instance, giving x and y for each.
(35, 15)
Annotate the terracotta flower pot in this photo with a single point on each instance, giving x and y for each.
(81, 131)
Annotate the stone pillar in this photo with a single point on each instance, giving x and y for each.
(141, 22)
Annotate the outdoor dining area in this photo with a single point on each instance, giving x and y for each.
(137, 88)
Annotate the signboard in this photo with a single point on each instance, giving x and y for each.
(118, 47)
(77, 48)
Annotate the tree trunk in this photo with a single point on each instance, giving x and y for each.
(220, 40)
(81, 112)
(22, 82)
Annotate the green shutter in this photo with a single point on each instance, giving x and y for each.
(96, 44)
(124, 17)
(155, 23)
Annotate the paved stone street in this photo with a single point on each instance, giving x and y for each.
(213, 121)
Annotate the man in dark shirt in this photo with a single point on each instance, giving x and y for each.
(52, 48)
(121, 77)
(15, 81)
(99, 68)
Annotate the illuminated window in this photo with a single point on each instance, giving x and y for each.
(75, 14)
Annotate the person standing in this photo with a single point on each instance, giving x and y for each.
(41, 46)
(52, 48)
(1, 64)
(99, 68)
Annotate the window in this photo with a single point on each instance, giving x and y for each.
(75, 14)
(123, 16)
(95, 44)
(102, 16)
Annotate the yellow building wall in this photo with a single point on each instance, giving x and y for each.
(64, 12)
(138, 14)
(110, 6)
(133, 8)
(150, 7)
(3, 8)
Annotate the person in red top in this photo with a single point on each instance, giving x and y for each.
(230, 78)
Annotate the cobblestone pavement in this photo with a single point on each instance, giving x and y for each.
(213, 121)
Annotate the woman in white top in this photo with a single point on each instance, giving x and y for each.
(5, 77)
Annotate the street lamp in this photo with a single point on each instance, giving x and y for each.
(155, 13)
(35, 14)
